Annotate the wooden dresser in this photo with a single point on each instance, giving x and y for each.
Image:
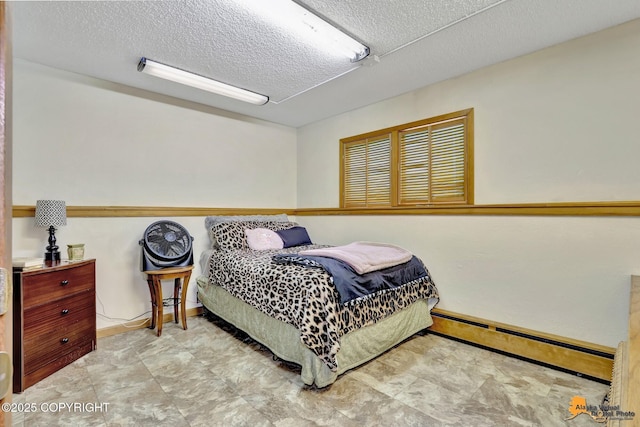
(54, 319)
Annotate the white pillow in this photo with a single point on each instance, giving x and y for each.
(261, 239)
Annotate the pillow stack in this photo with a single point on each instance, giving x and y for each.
(261, 239)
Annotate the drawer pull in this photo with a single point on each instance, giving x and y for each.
(64, 311)
(64, 283)
(64, 340)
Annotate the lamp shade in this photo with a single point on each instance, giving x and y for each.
(51, 212)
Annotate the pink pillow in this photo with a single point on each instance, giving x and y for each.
(261, 239)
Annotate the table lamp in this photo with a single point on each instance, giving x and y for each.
(52, 214)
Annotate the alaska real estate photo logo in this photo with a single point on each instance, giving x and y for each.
(599, 413)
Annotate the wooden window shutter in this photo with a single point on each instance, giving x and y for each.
(414, 167)
(432, 163)
(366, 170)
(448, 162)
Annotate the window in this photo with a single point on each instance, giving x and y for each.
(416, 164)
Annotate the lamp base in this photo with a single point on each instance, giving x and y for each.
(52, 255)
(51, 258)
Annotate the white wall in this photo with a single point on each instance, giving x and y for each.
(92, 143)
(556, 125)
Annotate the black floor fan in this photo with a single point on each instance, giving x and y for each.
(166, 244)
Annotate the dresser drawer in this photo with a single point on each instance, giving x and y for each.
(58, 314)
(54, 341)
(40, 287)
(32, 377)
(62, 357)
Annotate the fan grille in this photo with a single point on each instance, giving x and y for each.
(167, 240)
(166, 244)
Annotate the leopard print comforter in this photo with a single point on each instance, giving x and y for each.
(305, 297)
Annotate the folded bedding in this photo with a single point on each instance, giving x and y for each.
(352, 285)
(364, 257)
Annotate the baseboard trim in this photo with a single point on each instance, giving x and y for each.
(587, 359)
(140, 324)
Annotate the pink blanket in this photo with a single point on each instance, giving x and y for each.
(364, 257)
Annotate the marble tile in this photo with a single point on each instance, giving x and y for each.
(144, 403)
(383, 378)
(213, 375)
(227, 412)
(109, 377)
(288, 403)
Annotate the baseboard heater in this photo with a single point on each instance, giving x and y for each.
(582, 358)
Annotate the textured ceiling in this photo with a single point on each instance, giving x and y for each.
(413, 43)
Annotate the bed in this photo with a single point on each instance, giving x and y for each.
(293, 306)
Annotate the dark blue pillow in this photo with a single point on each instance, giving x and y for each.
(294, 236)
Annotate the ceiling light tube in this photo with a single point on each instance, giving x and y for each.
(347, 45)
(186, 78)
(297, 18)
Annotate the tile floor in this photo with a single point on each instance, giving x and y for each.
(211, 375)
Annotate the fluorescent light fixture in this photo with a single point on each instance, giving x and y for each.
(186, 78)
(290, 14)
